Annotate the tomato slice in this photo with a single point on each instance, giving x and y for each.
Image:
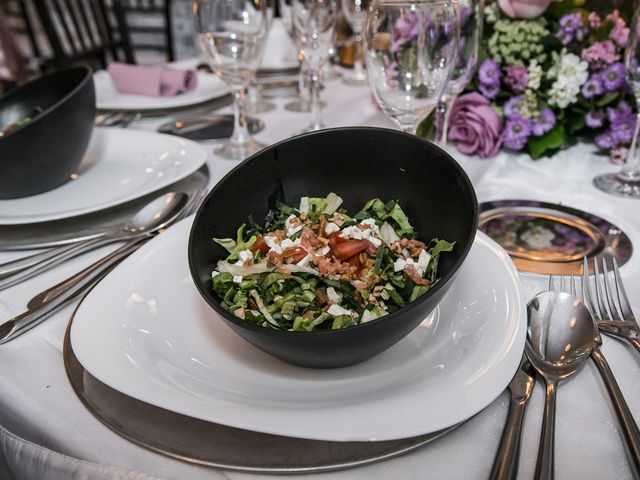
(349, 248)
(295, 255)
(335, 239)
(260, 244)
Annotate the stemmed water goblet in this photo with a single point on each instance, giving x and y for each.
(471, 19)
(303, 102)
(232, 34)
(314, 21)
(626, 182)
(355, 11)
(410, 48)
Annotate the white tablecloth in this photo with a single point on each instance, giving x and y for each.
(46, 433)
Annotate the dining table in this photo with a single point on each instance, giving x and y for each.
(46, 432)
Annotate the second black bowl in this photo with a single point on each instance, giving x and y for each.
(359, 164)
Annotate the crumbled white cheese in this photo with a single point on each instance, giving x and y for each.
(354, 232)
(323, 251)
(273, 243)
(244, 255)
(375, 241)
(337, 310)
(423, 261)
(333, 296)
(399, 264)
(371, 223)
(237, 278)
(215, 273)
(293, 225)
(330, 228)
(287, 243)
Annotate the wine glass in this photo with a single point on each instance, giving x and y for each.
(626, 182)
(314, 20)
(410, 49)
(355, 11)
(471, 19)
(232, 34)
(303, 102)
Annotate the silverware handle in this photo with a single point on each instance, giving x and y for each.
(54, 298)
(625, 417)
(544, 466)
(12, 273)
(505, 465)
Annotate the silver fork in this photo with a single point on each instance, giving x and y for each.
(630, 429)
(613, 313)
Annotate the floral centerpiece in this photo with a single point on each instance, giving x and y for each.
(549, 73)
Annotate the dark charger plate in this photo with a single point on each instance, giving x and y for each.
(357, 163)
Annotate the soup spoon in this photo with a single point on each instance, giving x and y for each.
(560, 338)
(150, 218)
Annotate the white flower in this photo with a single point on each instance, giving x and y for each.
(570, 73)
(534, 75)
(538, 237)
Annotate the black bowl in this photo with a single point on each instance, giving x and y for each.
(358, 164)
(43, 153)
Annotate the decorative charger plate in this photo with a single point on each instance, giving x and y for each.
(550, 239)
(119, 165)
(145, 332)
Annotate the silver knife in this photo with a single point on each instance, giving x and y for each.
(505, 465)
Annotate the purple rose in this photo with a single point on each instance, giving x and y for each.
(475, 126)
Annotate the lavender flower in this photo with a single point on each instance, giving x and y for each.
(489, 91)
(623, 132)
(619, 113)
(516, 133)
(594, 119)
(606, 141)
(405, 31)
(512, 106)
(613, 77)
(546, 121)
(618, 155)
(489, 73)
(593, 87)
(571, 27)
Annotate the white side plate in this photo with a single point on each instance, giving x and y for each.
(146, 332)
(108, 98)
(119, 165)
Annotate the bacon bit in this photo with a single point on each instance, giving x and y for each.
(279, 234)
(366, 284)
(321, 296)
(239, 312)
(414, 246)
(274, 258)
(309, 239)
(322, 225)
(415, 276)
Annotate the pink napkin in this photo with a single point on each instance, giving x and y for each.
(153, 81)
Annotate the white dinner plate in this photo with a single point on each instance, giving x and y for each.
(108, 98)
(146, 332)
(119, 165)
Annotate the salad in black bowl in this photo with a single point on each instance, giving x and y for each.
(382, 176)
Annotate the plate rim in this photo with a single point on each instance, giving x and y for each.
(197, 158)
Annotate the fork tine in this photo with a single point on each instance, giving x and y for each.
(623, 299)
(586, 287)
(611, 297)
(602, 308)
(551, 283)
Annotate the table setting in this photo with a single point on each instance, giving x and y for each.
(166, 307)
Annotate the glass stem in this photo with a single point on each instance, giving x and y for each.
(316, 120)
(631, 169)
(443, 110)
(358, 65)
(240, 131)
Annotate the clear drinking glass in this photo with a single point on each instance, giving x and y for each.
(410, 47)
(232, 34)
(314, 20)
(356, 11)
(626, 182)
(471, 19)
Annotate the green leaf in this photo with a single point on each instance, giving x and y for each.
(607, 99)
(552, 140)
(575, 123)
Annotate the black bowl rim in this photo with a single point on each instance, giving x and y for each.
(17, 91)
(371, 324)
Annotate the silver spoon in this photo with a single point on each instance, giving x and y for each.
(560, 339)
(153, 216)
